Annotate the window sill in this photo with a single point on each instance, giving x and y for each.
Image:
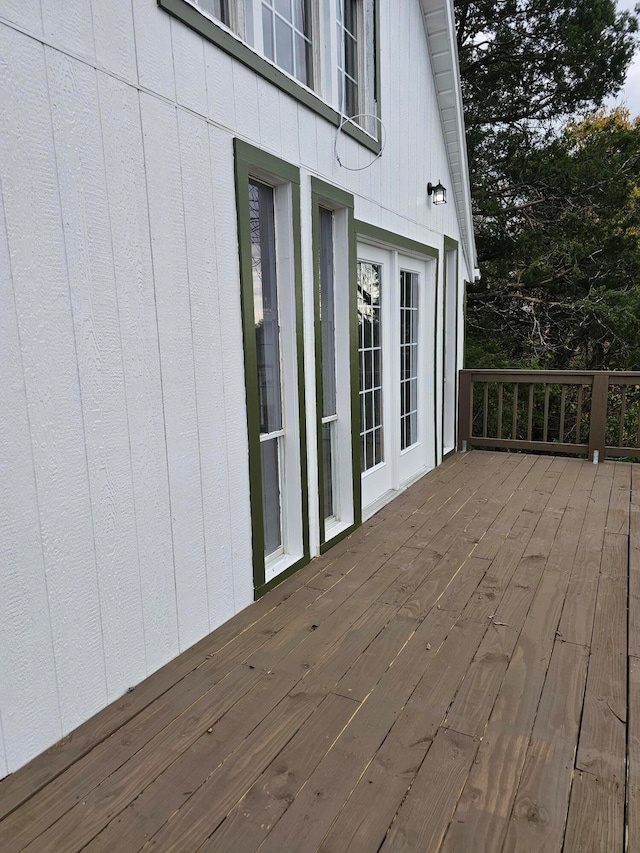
(223, 38)
(278, 564)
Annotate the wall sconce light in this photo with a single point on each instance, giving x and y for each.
(438, 192)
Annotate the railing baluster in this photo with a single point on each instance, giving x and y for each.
(623, 412)
(485, 414)
(545, 419)
(500, 392)
(514, 419)
(563, 398)
(530, 417)
(638, 433)
(579, 414)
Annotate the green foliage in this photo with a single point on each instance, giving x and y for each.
(556, 198)
(539, 59)
(562, 287)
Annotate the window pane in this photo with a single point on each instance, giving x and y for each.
(300, 15)
(351, 103)
(348, 73)
(378, 446)
(351, 56)
(327, 468)
(265, 297)
(271, 514)
(216, 8)
(408, 358)
(351, 16)
(369, 283)
(284, 8)
(284, 45)
(303, 59)
(327, 314)
(267, 32)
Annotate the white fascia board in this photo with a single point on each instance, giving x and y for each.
(440, 27)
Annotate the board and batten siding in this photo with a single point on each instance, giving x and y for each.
(124, 494)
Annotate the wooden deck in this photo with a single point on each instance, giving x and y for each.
(462, 674)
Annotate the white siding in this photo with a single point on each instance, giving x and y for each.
(170, 270)
(129, 219)
(31, 194)
(122, 414)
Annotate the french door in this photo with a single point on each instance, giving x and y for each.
(395, 325)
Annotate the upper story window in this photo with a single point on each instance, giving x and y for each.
(347, 19)
(356, 49)
(286, 35)
(326, 46)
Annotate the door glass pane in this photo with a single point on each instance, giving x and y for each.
(271, 512)
(369, 319)
(408, 358)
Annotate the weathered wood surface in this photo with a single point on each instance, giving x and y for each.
(462, 673)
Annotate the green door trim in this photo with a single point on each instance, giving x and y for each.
(326, 195)
(250, 163)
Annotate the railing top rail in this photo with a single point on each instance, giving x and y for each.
(555, 375)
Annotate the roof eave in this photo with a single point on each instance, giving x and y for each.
(439, 21)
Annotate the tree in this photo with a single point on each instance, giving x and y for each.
(563, 286)
(526, 67)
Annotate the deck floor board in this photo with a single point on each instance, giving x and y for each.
(461, 673)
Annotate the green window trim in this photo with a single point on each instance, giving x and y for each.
(398, 241)
(323, 194)
(450, 245)
(231, 44)
(251, 162)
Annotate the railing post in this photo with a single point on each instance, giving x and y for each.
(598, 416)
(465, 408)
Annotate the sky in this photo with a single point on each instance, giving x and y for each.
(630, 94)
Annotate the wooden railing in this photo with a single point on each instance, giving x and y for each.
(586, 413)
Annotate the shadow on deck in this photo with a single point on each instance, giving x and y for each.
(459, 675)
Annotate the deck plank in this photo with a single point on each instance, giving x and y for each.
(596, 816)
(451, 676)
(425, 814)
(480, 820)
(540, 808)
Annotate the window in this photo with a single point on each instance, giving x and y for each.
(328, 47)
(336, 360)
(286, 37)
(356, 51)
(370, 350)
(348, 72)
(408, 359)
(328, 336)
(267, 330)
(268, 206)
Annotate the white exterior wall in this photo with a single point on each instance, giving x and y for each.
(124, 496)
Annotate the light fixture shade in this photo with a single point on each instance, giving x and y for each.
(438, 192)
